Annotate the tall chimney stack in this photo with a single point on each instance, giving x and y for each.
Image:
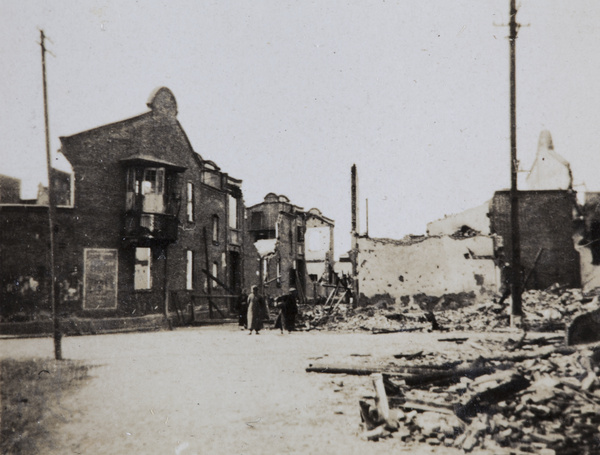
(354, 184)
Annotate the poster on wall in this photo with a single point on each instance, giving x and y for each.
(100, 279)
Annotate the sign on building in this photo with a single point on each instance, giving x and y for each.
(100, 279)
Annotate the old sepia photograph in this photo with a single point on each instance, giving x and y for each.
(299, 227)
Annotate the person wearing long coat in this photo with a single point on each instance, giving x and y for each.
(242, 307)
(288, 309)
(257, 311)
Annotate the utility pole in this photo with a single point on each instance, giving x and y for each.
(516, 312)
(354, 233)
(51, 211)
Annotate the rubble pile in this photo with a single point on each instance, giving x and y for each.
(544, 311)
(376, 320)
(543, 400)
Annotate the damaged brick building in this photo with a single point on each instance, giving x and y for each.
(149, 217)
(547, 227)
(293, 247)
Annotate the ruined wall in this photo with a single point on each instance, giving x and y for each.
(475, 218)
(432, 265)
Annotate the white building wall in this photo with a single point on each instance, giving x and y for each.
(476, 218)
(434, 266)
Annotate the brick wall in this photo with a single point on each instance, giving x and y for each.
(546, 228)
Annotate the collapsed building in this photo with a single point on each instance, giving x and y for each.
(464, 253)
(293, 248)
(147, 226)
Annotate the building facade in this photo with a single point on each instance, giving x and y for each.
(293, 248)
(150, 221)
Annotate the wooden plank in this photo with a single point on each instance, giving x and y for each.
(383, 407)
(216, 280)
(412, 376)
(424, 407)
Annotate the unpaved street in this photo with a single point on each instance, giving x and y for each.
(216, 390)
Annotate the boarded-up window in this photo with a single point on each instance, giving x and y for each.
(143, 262)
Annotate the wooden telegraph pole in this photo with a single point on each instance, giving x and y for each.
(516, 284)
(51, 211)
(354, 233)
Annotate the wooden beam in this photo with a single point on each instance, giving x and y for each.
(216, 280)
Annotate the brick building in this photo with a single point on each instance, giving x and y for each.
(547, 228)
(148, 217)
(279, 231)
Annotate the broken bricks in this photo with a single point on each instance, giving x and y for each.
(547, 405)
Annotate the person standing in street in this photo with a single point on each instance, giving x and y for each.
(257, 311)
(242, 307)
(288, 309)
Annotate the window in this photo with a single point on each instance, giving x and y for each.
(300, 234)
(153, 189)
(257, 220)
(133, 180)
(190, 202)
(142, 272)
(133, 190)
(279, 272)
(215, 273)
(233, 212)
(154, 181)
(215, 228)
(189, 270)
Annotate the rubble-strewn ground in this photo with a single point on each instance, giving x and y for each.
(544, 311)
(521, 394)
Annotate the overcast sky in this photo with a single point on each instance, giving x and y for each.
(287, 95)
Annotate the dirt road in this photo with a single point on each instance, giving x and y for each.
(216, 390)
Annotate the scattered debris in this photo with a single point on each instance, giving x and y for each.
(538, 397)
(454, 340)
(545, 311)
